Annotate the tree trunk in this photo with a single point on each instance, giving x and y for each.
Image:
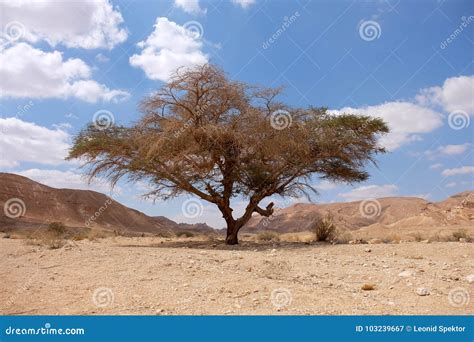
(232, 231)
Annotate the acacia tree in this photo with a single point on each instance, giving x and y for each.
(215, 138)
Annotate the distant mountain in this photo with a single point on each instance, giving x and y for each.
(39, 205)
(384, 212)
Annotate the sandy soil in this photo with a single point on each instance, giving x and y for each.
(158, 276)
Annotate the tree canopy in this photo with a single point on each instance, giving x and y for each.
(206, 135)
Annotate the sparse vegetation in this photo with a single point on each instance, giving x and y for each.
(368, 287)
(185, 234)
(268, 235)
(57, 227)
(461, 234)
(418, 236)
(324, 228)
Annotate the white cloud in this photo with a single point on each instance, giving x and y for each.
(406, 121)
(22, 141)
(244, 3)
(29, 72)
(326, 185)
(75, 24)
(100, 57)
(450, 185)
(65, 180)
(454, 95)
(436, 166)
(450, 150)
(167, 48)
(370, 191)
(464, 170)
(190, 6)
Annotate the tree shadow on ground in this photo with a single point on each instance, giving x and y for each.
(220, 245)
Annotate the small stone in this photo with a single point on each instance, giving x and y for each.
(462, 240)
(375, 241)
(406, 274)
(422, 291)
(470, 278)
(367, 250)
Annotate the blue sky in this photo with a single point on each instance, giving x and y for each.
(408, 62)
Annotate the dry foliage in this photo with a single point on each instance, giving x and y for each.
(324, 228)
(216, 138)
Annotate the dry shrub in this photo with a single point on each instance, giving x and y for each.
(392, 238)
(461, 234)
(343, 236)
(165, 234)
(324, 229)
(417, 236)
(57, 228)
(268, 235)
(368, 287)
(96, 234)
(185, 234)
(305, 237)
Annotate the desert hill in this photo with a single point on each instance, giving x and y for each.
(44, 204)
(388, 212)
(75, 208)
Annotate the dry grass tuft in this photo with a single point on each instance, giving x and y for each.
(368, 287)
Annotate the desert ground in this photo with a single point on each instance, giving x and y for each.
(192, 276)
